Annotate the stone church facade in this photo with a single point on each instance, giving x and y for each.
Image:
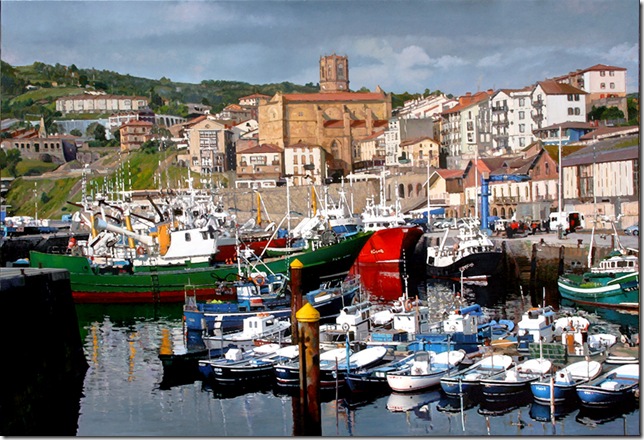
(334, 119)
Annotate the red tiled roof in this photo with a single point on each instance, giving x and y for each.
(255, 95)
(137, 122)
(466, 101)
(449, 174)
(552, 87)
(339, 96)
(264, 148)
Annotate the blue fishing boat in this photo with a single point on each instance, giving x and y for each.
(611, 388)
(561, 386)
(468, 380)
(261, 294)
(515, 380)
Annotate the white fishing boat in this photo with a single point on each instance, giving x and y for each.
(426, 370)
(260, 326)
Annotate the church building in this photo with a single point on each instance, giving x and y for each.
(334, 119)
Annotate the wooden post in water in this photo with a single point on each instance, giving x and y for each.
(533, 276)
(560, 269)
(296, 296)
(309, 335)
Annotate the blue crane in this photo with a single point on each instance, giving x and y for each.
(485, 181)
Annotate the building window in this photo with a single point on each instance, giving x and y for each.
(570, 98)
(576, 97)
(521, 102)
(602, 73)
(570, 111)
(611, 73)
(521, 115)
(521, 142)
(547, 165)
(521, 128)
(602, 86)
(577, 111)
(612, 85)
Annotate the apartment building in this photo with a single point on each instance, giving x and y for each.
(96, 102)
(305, 163)
(555, 103)
(605, 85)
(134, 134)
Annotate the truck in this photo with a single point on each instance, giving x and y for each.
(570, 221)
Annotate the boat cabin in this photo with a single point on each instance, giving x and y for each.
(536, 325)
(617, 262)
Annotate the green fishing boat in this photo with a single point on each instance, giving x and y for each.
(92, 282)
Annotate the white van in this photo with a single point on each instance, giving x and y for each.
(570, 221)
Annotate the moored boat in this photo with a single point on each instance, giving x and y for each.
(515, 380)
(381, 262)
(614, 387)
(124, 283)
(565, 382)
(468, 380)
(614, 282)
(260, 326)
(426, 370)
(472, 256)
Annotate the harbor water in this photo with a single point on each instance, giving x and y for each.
(126, 393)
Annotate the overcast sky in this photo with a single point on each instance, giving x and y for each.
(456, 46)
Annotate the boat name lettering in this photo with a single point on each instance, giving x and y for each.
(377, 251)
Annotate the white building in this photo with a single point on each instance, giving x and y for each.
(555, 103)
(306, 163)
(511, 122)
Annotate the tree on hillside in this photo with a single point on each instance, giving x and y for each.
(9, 160)
(97, 131)
(76, 132)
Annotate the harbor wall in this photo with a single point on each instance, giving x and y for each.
(44, 362)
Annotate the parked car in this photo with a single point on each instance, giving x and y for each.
(632, 230)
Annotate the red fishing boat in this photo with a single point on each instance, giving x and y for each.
(381, 261)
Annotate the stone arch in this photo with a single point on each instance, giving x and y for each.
(503, 213)
(401, 191)
(495, 212)
(419, 189)
(410, 190)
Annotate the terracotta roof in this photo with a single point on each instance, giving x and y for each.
(255, 95)
(234, 108)
(552, 87)
(449, 174)
(264, 148)
(374, 135)
(469, 100)
(136, 122)
(339, 96)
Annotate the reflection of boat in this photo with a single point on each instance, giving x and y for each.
(611, 388)
(472, 256)
(592, 416)
(152, 284)
(469, 379)
(542, 413)
(499, 407)
(403, 402)
(565, 382)
(426, 370)
(382, 260)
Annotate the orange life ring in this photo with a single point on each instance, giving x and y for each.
(407, 305)
(259, 280)
(140, 250)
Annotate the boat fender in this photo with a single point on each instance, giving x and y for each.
(407, 305)
(259, 280)
(140, 250)
(71, 243)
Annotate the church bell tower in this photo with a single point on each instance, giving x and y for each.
(334, 74)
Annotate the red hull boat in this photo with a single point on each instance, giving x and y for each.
(381, 261)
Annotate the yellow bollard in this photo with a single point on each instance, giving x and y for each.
(309, 335)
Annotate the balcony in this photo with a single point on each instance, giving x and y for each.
(500, 109)
(500, 123)
(538, 103)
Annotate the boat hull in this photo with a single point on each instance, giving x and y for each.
(621, 292)
(482, 264)
(410, 383)
(167, 285)
(381, 262)
(562, 392)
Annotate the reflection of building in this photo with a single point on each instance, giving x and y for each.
(333, 119)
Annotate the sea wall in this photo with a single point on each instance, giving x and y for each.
(44, 363)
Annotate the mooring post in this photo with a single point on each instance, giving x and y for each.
(308, 319)
(296, 296)
(560, 269)
(533, 276)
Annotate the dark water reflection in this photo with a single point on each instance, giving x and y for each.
(125, 394)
